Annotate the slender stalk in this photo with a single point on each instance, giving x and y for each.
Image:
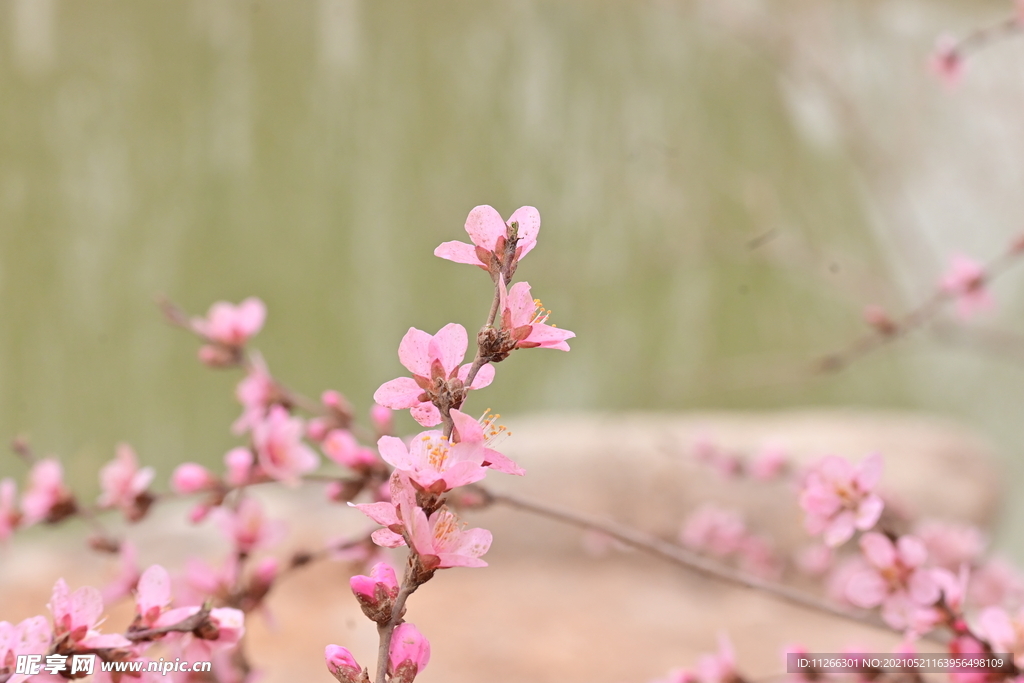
(680, 556)
(386, 631)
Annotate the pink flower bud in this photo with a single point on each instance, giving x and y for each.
(409, 654)
(266, 570)
(333, 399)
(199, 513)
(377, 592)
(239, 462)
(317, 428)
(382, 419)
(342, 664)
(215, 356)
(189, 478)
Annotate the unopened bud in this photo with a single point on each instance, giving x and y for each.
(409, 653)
(343, 665)
(377, 592)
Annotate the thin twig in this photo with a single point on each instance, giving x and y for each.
(690, 560)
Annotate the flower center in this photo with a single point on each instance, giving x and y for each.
(540, 314)
(437, 449)
(494, 433)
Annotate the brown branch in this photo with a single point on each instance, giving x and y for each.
(690, 560)
(923, 314)
(184, 626)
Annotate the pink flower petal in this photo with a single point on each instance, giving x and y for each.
(866, 589)
(912, 551)
(529, 226)
(460, 252)
(399, 393)
(426, 414)
(449, 346)
(413, 352)
(868, 512)
(395, 453)
(840, 529)
(483, 377)
(870, 472)
(485, 226)
(878, 549)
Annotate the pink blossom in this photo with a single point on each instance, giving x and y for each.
(122, 481)
(497, 246)
(757, 556)
(677, 676)
(409, 653)
(189, 477)
(953, 586)
(232, 325)
(524, 320)
(127, 577)
(442, 541)
(486, 430)
(896, 580)
(768, 464)
(390, 514)
(76, 614)
(239, 463)
(432, 462)
(30, 637)
(341, 446)
(46, 493)
(248, 527)
(951, 545)
(838, 498)
(814, 560)
(965, 279)
(9, 515)
(279, 447)
(383, 420)
(966, 645)
(342, 664)
(946, 61)
(714, 530)
(256, 393)
(996, 582)
(719, 667)
(228, 623)
(153, 594)
(433, 361)
(1003, 632)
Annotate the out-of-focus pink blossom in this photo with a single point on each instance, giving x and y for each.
(814, 560)
(239, 463)
(708, 452)
(768, 463)
(953, 586)
(951, 545)
(966, 646)
(190, 477)
(341, 446)
(677, 676)
(719, 667)
(122, 481)
(257, 392)
(127, 576)
(839, 498)
(757, 556)
(996, 582)
(946, 61)
(382, 419)
(1003, 632)
(76, 614)
(713, 530)
(342, 665)
(153, 595)
(280, 449)
(879, 320)
(897, 580)
(965, 279)
(433, 361)
(248, 527)
(409, 653)
(46, 495)
(230, 324)
(497, 246)
(9, 515)
(29, 637)
(524, 320)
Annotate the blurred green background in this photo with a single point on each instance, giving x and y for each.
(723, 185)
